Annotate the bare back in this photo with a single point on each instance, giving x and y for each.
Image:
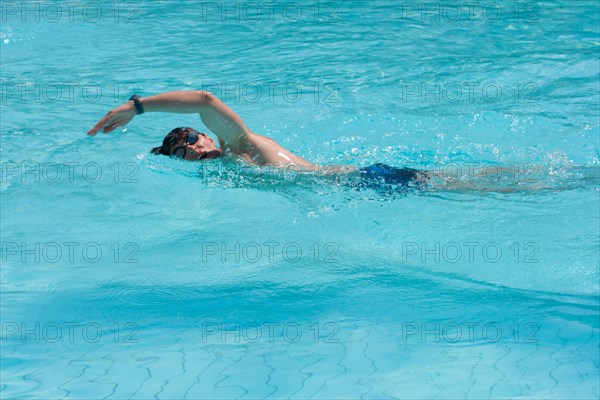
(261, 150)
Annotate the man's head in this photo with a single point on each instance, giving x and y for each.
(189, 144)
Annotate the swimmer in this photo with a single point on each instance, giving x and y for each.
(238, 141)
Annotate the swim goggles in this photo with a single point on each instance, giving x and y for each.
(192, 137)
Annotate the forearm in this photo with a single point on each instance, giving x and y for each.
(182, 101)
(219, 118)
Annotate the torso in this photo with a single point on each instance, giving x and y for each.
(263, 151)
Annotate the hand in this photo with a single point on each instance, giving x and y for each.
(115, 118)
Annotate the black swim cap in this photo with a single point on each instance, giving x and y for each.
(169, 142)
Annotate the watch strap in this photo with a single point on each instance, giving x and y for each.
(139, 109)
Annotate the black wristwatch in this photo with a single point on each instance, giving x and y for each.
(138, 105)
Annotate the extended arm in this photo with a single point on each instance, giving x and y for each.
(219, 118)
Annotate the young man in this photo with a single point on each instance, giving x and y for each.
(236, 139)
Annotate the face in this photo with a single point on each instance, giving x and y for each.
(196, 147)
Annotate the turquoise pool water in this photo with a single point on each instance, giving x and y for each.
(126, 275)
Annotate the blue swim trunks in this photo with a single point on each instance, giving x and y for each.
(381, 176)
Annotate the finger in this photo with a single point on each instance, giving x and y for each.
(101, 124)
(110, 127)
(94, 130)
